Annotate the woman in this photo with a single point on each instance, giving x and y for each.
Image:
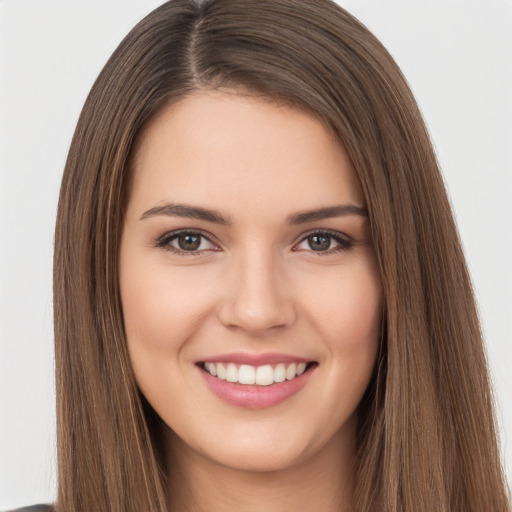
(251, 191)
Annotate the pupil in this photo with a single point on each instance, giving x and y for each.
(319, 242)
(189, 242)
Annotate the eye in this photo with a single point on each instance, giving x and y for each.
(186, 242)
(324, 242)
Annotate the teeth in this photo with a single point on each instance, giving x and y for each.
(221, 371)
(265, 375)
(280, 373)
(247, 374)
(260, 375)
(212, 368)
(291, 371)
(232, 373)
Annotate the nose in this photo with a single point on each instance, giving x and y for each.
(256, 298)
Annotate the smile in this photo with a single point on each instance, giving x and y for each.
(256, 386)
(247, 374)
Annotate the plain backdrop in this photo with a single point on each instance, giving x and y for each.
(457, 56)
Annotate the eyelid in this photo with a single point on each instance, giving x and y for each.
(163, 241)
(345, 241)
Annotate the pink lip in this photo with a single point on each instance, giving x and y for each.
(254, 359)
(252, 396)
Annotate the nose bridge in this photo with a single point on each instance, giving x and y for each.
(256, 297)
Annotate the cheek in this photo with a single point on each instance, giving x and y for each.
(162, 311)
(162, 308)
(348, 316)
(361, 312)
(348, 307)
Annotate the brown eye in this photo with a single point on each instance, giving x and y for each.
(186, 242)
(189, 242)
(319, 242)
(324, 242)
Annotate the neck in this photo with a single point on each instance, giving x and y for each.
(322, 483)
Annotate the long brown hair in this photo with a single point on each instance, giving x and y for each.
(427, 437)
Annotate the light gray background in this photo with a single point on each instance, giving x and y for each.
(457, 55)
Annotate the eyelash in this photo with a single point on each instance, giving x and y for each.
(164, 241)
(345, 244)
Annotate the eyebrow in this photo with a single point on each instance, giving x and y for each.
(197, 212)
(327, 213)
(190, 212)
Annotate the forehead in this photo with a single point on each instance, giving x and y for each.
(223, 149)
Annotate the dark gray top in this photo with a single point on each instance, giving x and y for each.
(34, 508)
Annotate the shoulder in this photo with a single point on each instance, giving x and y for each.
(33, 508)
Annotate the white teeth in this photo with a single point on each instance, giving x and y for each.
(221, 371)
(232, 373)
(211, 367)
(247, 374)
(291, 371)
(261, 375)
(280, 373)
(264, 375)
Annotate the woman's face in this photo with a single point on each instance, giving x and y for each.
(247, 254)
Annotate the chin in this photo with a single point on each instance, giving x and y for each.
(262, 448)
(259, 459)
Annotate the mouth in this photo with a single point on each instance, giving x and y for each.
(264, 375)
(256, 386)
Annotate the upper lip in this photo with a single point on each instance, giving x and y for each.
(255, 359)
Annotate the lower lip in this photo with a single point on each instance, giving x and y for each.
(255, 397)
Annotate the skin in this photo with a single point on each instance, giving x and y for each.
(255, 286)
